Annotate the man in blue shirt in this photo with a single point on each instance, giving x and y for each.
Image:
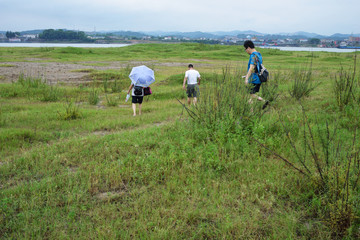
(251, 77)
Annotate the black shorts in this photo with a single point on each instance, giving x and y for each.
(137, 99)
(254, 88)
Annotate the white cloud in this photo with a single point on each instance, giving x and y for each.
(324, 17)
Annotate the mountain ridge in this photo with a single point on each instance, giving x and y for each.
(203, 34)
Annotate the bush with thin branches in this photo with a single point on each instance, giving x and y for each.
(345, 87)
(224, 103)
(302, 84)
(330, 161)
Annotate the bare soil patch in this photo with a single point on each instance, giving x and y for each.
(53, 72)
(68, 73)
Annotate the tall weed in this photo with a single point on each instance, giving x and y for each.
(2, 119)
(50, 94)
(270, 90)
(106, 84)
(329, 158)
(345, 87)
(71, 111)
(112, 101)
(31, 82)
(94, 97)
(116, 86)
(224, 103)
(303, 83)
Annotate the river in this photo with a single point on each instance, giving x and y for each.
(313, 49)
(110, 45)
(79, 45)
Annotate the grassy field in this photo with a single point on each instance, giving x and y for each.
(75, 163)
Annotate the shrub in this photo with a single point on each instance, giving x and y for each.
(11, 91)
(31, 82)
(270, 89)
(32, 87)
(50, 94)
(302, 83)
(71, 111)
(94, 97)
(345, 87)
(224, 103)
(106, 84)
(2, 119)
(329, 158)
(109, 80)
(111, 101)
(117, 86)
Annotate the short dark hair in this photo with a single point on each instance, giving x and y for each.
(190, 65)
(249, 43)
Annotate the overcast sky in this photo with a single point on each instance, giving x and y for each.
(266, 16)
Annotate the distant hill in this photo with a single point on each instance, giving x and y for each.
(128, 34)
(197, 34)
(208, 35)
(32, 32)
(243, 34)
(160, 33)
(303, 34)
(339, 36)
(237, 32)
(191, 35)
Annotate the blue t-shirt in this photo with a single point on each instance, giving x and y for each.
(255, 59)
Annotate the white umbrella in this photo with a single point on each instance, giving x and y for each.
(142, 76)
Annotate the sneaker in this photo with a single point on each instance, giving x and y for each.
(265, 104)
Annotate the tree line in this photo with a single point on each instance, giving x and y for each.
(51, 34)
(10, 34)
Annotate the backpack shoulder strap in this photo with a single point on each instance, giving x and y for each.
(257, 62)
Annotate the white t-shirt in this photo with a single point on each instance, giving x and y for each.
(192, 76)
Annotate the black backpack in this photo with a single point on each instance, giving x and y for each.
(261, 71)
(138, 91)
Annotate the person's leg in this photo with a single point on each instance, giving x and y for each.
(189, 101)
(254, 96)
(140, 108)
(196, 94)
(134, 109)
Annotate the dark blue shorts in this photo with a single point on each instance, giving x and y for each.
(192, 90)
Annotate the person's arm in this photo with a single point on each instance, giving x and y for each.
(131, 86)
(199, 79)
(251, 70)
(185, 78)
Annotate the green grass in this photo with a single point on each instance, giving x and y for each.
(108, 175)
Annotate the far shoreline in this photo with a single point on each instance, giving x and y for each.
(110, 45)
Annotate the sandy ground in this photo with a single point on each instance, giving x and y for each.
(69, 73)
(53, 72)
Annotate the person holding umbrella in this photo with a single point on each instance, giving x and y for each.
(140, 77)
(135, 99)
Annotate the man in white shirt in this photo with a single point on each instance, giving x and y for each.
(192, 77)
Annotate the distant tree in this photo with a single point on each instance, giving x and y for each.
(314, 41)
(10, 34)
(51, 34)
